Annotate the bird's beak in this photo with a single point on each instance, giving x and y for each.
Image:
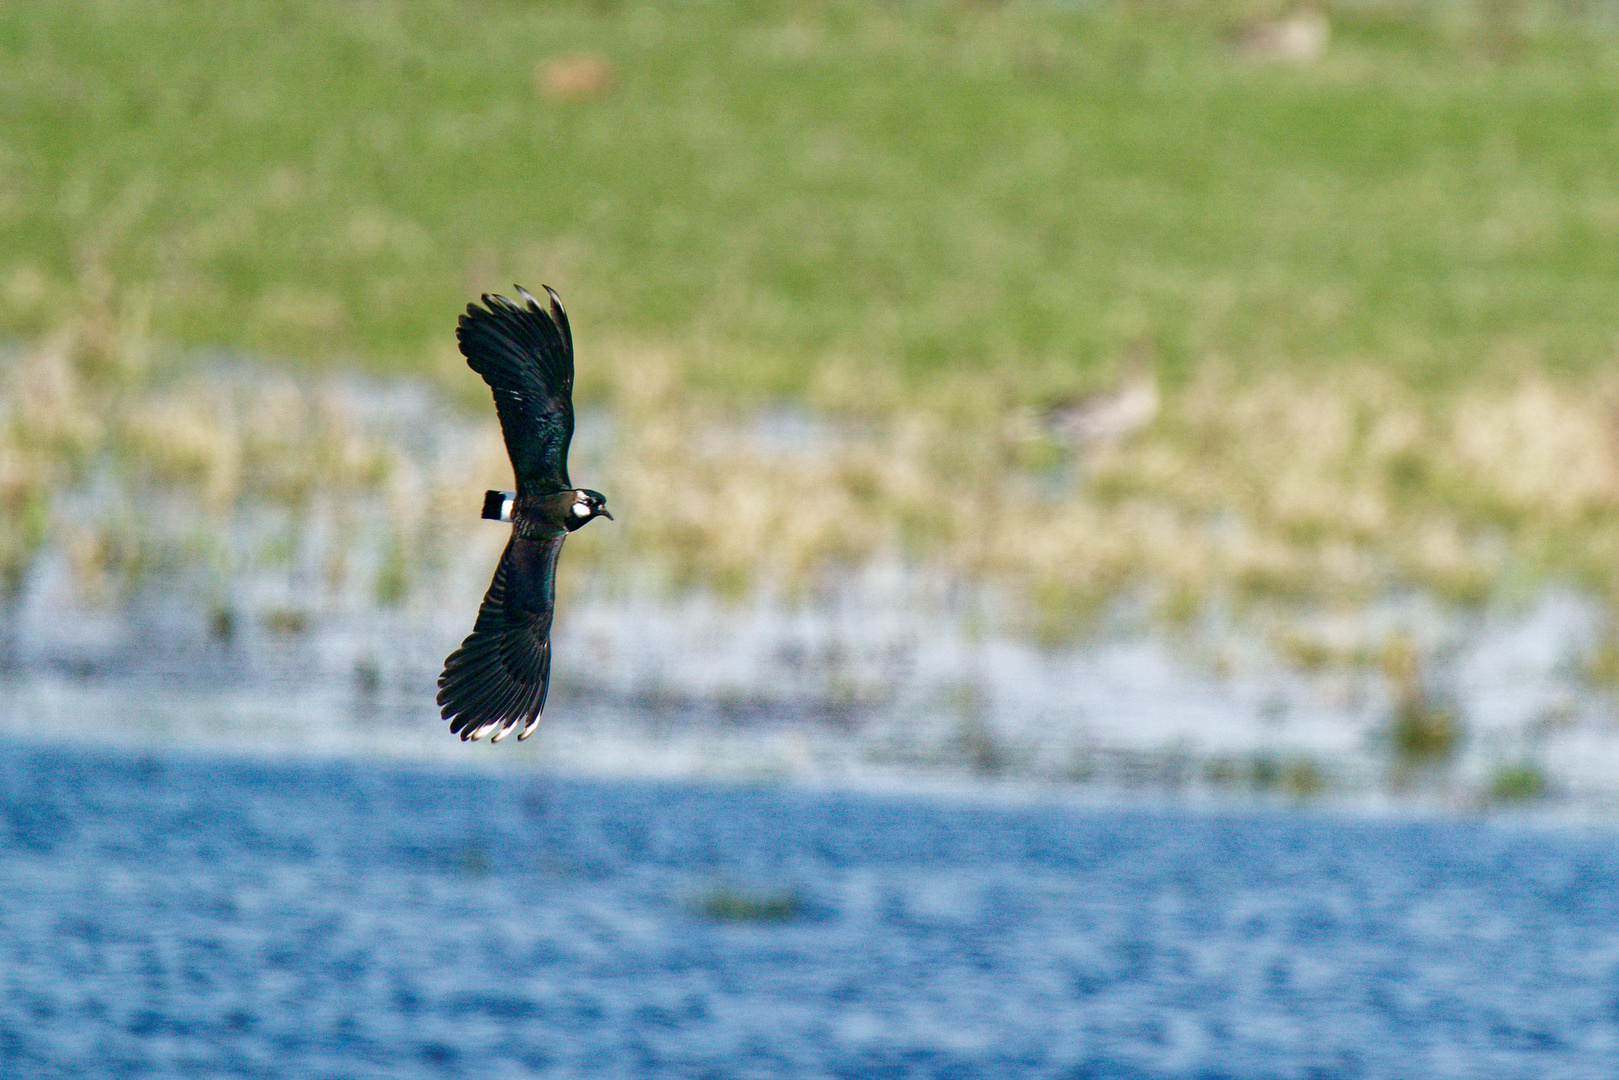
(606, 515)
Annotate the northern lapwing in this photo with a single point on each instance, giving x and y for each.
(496, 680)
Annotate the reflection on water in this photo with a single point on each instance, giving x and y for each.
(166, 915)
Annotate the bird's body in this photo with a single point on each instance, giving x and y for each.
(498, 678)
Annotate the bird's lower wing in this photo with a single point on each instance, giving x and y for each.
(498, 677)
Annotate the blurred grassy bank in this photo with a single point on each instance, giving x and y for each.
(1371, 275)
(1021, 190)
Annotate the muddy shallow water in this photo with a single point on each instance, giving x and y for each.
(316, 621)
(889, 675)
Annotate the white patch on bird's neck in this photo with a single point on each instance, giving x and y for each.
(581, 509)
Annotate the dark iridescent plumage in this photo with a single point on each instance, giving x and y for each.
(497, 679)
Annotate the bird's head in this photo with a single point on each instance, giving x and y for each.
(586, 505)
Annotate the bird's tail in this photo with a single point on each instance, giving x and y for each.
(497, 505)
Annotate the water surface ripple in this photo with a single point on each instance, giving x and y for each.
(186, 915)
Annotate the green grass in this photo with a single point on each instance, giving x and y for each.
(1023, 191)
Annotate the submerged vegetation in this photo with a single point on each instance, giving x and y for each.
(1519, 782)
(724, 904)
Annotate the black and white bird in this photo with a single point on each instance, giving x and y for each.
(496, 680)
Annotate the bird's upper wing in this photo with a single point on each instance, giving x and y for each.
(499, 675)
(525, 354)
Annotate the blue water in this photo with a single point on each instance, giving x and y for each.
(192, 916)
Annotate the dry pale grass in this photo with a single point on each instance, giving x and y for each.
(125, 470)
(1334, 489)
(1337, 488)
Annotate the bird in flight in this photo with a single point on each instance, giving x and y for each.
(497, 679)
